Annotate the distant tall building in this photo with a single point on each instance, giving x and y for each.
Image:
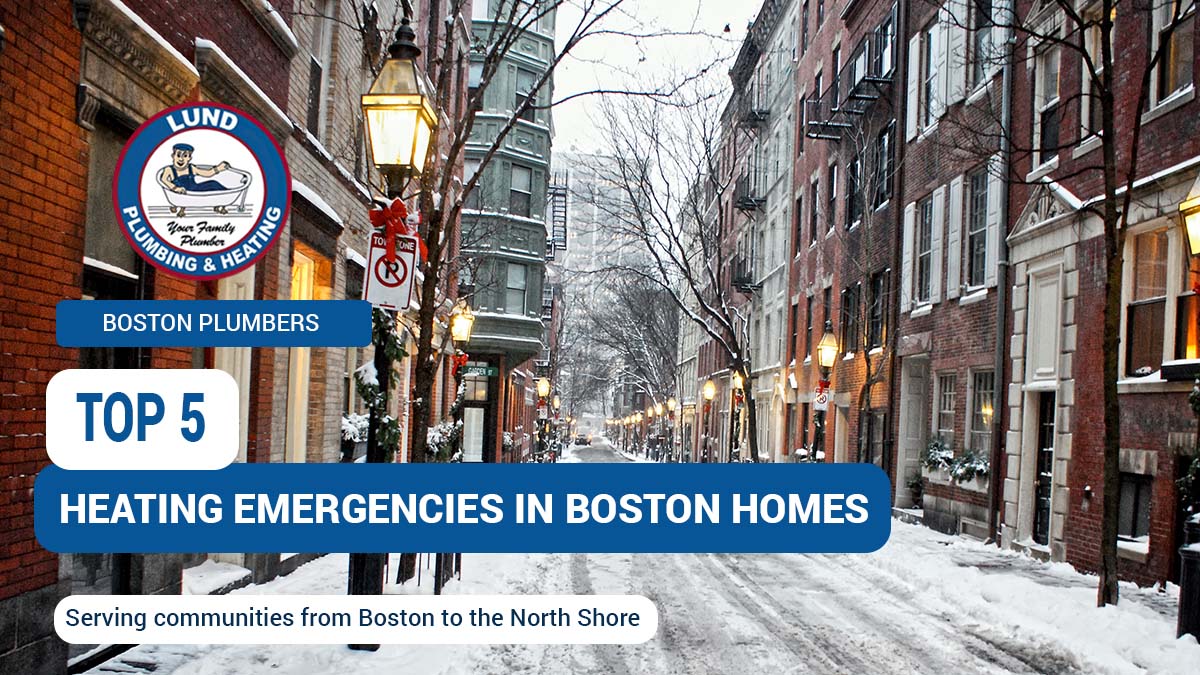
(505, 230)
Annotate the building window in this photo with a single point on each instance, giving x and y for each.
(835, 86)
(885, 165)
(931, 47)
(850, 324)
(804, 28)
(808, 325)
(514, 288)
(981, 40)
(1046, 103)
(831, 215)
(828, 304)
(854, 197)
(1174, 25)
(886, 42)
(877, 311)
(318, 71)
(519, 195)
(924, 261)
(820, 12)
(795, 329)
(1089, 100)
(474, 77)
(803, 124)
(945, 401)
(1146, 314)
(814, 222)
(798, 217)
(983, 389)
(526, 81)
(872, 443)
(977, 228)
(1133, 521)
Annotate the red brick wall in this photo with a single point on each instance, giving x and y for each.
(232, 27)
(43, 191)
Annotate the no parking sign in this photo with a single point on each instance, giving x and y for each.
(389, 284)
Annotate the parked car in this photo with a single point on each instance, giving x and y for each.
(582, 439)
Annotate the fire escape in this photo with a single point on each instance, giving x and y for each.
(862, 81)
(556, 195)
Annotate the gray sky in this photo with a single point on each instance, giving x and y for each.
(609, 61)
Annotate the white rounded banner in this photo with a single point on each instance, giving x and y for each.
(362, 619)
(142, 419)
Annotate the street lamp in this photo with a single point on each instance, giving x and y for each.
(827, 350)
(399, 112)
(1190, 210)
(709, 392)
(462, 322)
(543, 388)
(671, 405)
(400, 120)
(557, 402)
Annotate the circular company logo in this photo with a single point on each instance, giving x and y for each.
(201, 190)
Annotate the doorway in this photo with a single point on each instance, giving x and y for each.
(1044, 481)
(914, 424)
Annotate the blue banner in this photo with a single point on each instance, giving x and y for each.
(214, 323)
(470, 508)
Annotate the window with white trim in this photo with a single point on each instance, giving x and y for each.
(1046, 116)
(983, 394)
(931, 49)
(1145, 315)
(947, 382)
(1174, 24)
(1089, 98)
(520, 190)
(981, 41)
(516, 284)
(977, 205)
(924, 259)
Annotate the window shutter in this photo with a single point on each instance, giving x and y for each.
(935, 249)
(954, 240)
(957, 51)
(1002, 18)
(906, 268)
(944, 61)
(995, 196)
(912, 96)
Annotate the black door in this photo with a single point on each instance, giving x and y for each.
(1045, 468)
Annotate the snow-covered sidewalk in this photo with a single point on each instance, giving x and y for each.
(925, 603)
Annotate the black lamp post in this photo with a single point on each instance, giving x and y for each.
(827, 350)
(709, 392)
(400, 121)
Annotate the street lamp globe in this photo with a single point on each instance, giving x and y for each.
(557, 402)
(658, 409)
(399, 111)
(672, 404)
(543, 388)
(710, 390)
(738, 382)
(827, 348)
(462, 321)
(637, 419)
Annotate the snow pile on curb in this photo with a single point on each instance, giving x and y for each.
(1054, 602)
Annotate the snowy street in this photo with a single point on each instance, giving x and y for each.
(926, 603)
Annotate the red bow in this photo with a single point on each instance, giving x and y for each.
(393, 220)
(460, 360)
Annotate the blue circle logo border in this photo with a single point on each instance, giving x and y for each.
(277, 188)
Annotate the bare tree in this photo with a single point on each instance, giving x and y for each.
(667, 165)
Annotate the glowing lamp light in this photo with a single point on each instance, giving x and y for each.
(462, 321)
(672, 404)
(738, 382)
(1190, 210)
(557, 402)
(543, 387)
(399, 111)
(710, 390)
(827, 348)
(658, 409)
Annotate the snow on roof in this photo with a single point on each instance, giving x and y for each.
(154, 35)
(310, 195)
(281, 117)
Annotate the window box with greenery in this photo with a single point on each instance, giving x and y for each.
(968, 469)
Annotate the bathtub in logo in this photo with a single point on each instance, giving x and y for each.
(201, 191)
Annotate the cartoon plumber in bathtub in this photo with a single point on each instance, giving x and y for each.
(180, 176)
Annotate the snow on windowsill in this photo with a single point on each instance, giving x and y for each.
(211, 576)
(356, 258)
(1137, 550)
(310, 195)
(106, 267)
(921, 311)
(973, 296)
